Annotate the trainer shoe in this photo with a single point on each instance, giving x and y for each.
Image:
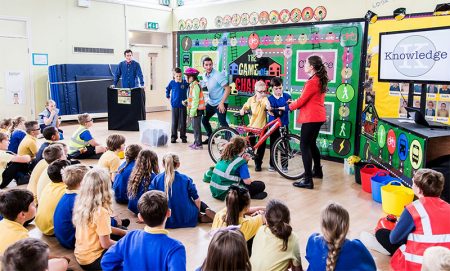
(271, 169)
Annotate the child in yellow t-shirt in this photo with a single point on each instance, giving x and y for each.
(50, 154)
(91, 218)
(50, 197)
(10, 164)
(258, 104)
(110, 159)
(29, 144)
(239, 212)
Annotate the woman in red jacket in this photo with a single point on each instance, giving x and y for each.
(312, 116)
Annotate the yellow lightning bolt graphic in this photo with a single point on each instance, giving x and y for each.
(186, 43)
(341, 145)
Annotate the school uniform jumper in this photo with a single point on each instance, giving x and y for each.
(177, 93)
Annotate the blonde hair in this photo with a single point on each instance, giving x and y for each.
(171, 162)
(146, 163)
(73, 175)
(48, 102)
(260, 85)
(83, 118)
(16, 122)
(95, 193)
(335, 224)
(436, 259)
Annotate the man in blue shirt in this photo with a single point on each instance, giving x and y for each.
(130, 71)
(218, 91)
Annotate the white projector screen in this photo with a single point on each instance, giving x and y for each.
(421, 56)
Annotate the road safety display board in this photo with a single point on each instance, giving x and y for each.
(247, 55)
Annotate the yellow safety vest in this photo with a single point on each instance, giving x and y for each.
(76, 143)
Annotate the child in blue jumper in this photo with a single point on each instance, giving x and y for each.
(151, 248)
(50, 117)
(176, 91)
(143, 173)
(279, 107)
(17, 134)
(123, 174)
(185, 204)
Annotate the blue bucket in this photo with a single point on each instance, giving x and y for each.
(377, 181)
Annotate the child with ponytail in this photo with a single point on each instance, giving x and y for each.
(232, 169)
(185, 204)
(17, 134)
(144, 171)
(331, 250)
(238, 212)
(123, 174)
(275, 246)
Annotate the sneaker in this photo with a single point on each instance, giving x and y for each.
(261, 195)
(206, 141)
(258, 168)
(173, 141)
(126, 222)
(184, 140)
(284, 170)
(195, 147)
(370, 241)
(271, 169)
(23, 179)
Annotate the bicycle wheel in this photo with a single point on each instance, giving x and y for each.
(287, 157)
(218, 140)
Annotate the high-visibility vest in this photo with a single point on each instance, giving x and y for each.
(224, 175)
(431, 229)
(201, 103)
(76, 143)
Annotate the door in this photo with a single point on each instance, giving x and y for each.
(16, 94)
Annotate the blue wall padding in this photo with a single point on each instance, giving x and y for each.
(66, 95)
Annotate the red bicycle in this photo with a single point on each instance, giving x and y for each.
(285, 153)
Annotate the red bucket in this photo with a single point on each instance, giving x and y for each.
(367, 172)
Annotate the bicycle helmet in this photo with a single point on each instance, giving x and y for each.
(191, 71)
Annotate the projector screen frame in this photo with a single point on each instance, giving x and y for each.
(416, 81)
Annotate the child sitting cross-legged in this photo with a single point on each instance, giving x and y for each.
(82, 144)
(11, 165)
(151, 248)
(120, 183)
(239, 212)
(141, 177)
(110, 159)
(62, 219)
(50, 197)
(92, 219)
(17, 133)
(51, 135)
(232, 169)
(186, 207)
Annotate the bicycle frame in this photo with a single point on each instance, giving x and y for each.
(261, 132)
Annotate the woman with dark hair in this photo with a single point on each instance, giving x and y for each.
(312, 115)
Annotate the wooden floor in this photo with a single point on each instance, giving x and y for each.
(305, 205)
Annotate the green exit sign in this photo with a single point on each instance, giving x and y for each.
(152, 25)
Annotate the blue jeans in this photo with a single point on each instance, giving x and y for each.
(209, 112)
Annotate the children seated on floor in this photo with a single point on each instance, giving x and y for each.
(120, 183)
(28, 146)
(12, 165)
(44, 179)
(51, 135)
(110, 159)
(331, 250)
(62, 218)
(82, 144)
(17, 134)
(50, 154)
(31, 254)
(239, 212)
(257, 104)
(141, 177)
(151, 248)
(92, 219)
(186, 207)
(227, 251)
(420, 225)
(275, 246)
(232, 169)
(5, 126)
(51, 194)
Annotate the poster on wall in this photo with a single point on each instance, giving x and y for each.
(198, 57)
(327, 127)
(329, 59)
(15, 93)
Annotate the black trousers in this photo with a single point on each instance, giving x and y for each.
(14, 171)
(179, 122)
(382, 236)
(255, 188)
(94, 266)
(259, 155)
(273, 137)
(88, 154)
(308, 146)
(209, 112)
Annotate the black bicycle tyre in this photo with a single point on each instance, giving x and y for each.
(213, 142)
(278, 167)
